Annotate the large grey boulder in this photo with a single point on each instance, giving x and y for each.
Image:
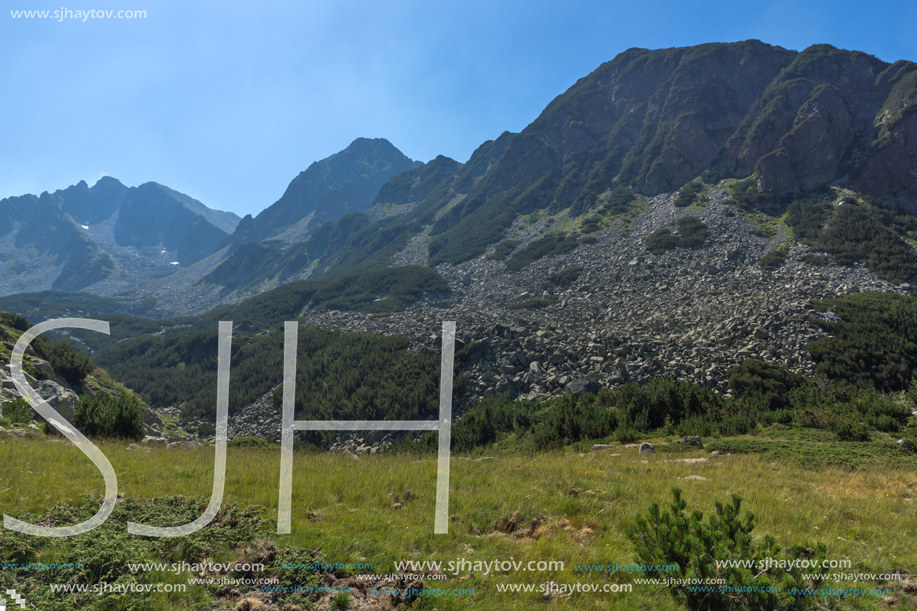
(63, 400)
(582, 385)
(151, 418)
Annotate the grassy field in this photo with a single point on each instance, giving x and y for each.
(568, 506)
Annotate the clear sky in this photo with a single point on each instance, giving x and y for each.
(229, 101)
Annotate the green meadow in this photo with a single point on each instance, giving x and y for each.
(571, 505)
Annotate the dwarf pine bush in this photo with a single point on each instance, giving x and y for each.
(755, 580)
(104, 416)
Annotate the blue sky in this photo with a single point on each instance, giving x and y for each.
(229, 101)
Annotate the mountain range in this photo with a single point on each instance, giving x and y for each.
(789, 124)
(104, 236)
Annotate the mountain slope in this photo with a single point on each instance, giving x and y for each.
(43, 247)
(654, 120)
(153, 215)
(252, 264)
(651, 121)
(327, 190)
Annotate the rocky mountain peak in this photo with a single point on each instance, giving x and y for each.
(328, 189)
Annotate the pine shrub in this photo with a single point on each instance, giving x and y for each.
(18, 411)
(698, 549)
(104, 416)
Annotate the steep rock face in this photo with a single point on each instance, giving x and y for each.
(891, 169)
(153, 215)
(44, 226)
(890, 165)
(815, 121)
(92, 205)
(810, 153)
(657, 119)
(344, 182)
(58, 251)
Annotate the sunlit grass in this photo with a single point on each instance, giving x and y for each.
(566, 506)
